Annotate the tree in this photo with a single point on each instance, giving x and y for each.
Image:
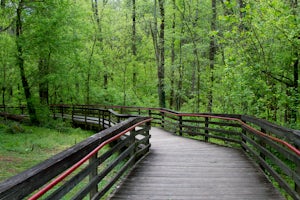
(212, 54)
(20, 62)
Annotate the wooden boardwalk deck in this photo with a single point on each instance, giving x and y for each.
(181, 168)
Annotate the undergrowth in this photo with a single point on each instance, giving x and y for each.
(24, 146)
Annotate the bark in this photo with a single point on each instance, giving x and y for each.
(20, 63)
(296, 101)
(134, 48)
(4, 85)
(161, 67)
(180, 81)
(172, 93)
(212, 53)
(43, 84)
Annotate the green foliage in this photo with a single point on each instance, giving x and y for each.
(14, 128)
(89, 59)
(22, 150)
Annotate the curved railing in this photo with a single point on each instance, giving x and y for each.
(274, 148)
(84, 169)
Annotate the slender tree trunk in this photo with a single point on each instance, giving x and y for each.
(20, 62)
(180, 81)
(171, 102)
(197, 63)
(43, 84)
(161, 66)
(296, 101)
(212, 53)
(295, 109)
(4, 85)
(134, 48)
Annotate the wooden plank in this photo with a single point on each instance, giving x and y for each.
(182, 168)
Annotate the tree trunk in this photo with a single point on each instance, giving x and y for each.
(296, 101)
(20, 62)
(180, 71)
(212, 53)
(134, 48)
(161, 66)
(43, 84)
(4, 85)
(172, 93)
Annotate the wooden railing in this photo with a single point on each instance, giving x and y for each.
(84, 169)
(274, 148)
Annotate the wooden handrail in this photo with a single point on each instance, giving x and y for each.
(275, 148)
(23, 184)
(61, 177)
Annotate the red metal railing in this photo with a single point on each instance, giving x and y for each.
(82, 161)
(284, 143)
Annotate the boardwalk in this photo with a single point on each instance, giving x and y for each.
(180, 168)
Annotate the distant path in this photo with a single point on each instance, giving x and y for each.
(181, 168)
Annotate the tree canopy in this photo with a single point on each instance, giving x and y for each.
(220, 56)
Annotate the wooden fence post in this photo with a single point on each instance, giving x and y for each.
(132, 141)
(94, 172)
(85, 117)
(297, 170)
(162, 119)
(62, 111)
(180, 125)
(99, 119)
(206, 129)
(109, 118)
(244, 132)
(261, 154)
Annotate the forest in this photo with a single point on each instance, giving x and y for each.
(220, 56)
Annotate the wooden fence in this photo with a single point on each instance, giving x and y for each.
(274, 148)
(84, 169)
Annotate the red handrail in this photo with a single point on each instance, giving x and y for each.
(83, 160)
(284, 143)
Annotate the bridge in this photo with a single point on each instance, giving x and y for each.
(192, 156)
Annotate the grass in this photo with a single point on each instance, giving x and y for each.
(22, 146)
